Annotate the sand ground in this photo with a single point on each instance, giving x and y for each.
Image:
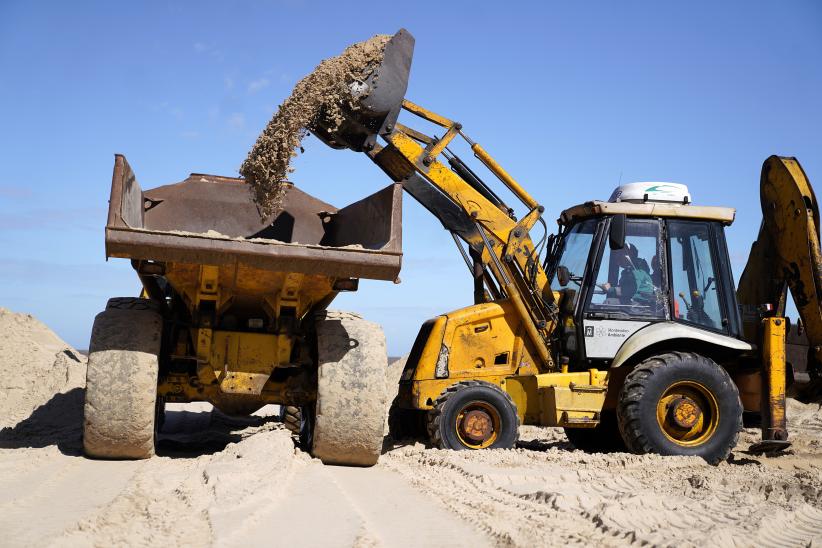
(241, 482)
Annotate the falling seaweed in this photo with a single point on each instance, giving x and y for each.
(325, 92)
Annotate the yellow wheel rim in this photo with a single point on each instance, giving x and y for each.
(478, 425)
(688, 413)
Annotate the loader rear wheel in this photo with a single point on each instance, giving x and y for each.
(680, 403)
(349, 416)
(473, 415)
(120, 411)
(604, 438)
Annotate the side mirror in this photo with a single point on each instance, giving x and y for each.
(616, 236)
(563, 275)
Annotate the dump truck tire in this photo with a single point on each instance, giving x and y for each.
(120, 408)
(473, 415)
(132, 303)
(349, 417)
(680, 403)
(604, 438)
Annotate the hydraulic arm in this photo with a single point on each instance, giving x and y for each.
(786, 255)
(502, 257)
(501, 254)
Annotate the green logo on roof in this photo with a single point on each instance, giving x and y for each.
(658, 188)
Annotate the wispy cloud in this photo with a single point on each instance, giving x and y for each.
(228, 82)
(190, 134)
(236, 120)
(208, 49)
(256, 85)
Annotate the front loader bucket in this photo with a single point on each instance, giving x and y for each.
(380, 100)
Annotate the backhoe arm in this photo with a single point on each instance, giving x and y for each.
(785, 255)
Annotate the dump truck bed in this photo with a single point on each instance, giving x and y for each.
(211, 220)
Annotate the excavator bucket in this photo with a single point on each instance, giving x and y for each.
(378, 100)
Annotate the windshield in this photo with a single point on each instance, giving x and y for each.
(573, 253)
(694, 275)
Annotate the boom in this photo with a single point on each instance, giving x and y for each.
(501, 252)
(503, 259)
(785, 255)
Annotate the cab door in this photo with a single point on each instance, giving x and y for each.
(628, 290)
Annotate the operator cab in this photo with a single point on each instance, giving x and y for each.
(645, 256)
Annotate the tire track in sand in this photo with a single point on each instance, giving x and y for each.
(516, 496)
(334, 506)
(41, 503)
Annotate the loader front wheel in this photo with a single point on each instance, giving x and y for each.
(473, 415)
(349, 416)
(680, 403)
(120, 411)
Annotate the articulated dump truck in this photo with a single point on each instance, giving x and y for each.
(233, 312)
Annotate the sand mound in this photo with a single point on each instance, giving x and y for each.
(35, 366)
(195, 499)
(324, 92)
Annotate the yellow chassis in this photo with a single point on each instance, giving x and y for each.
(485, 342)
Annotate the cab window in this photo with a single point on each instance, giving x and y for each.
(574, 253)
(694, 280)
(629, 281)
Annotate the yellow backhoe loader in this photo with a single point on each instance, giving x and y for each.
(624, 328)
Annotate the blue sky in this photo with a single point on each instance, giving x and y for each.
(569, 98)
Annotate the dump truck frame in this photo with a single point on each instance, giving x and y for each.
(233, 311)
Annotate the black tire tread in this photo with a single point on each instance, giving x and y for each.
(132, 303)
(628, 407)
(434, 417)
(292, 417)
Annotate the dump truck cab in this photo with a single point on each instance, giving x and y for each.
(644, 269)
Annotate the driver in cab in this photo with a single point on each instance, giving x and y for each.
(635, 284)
